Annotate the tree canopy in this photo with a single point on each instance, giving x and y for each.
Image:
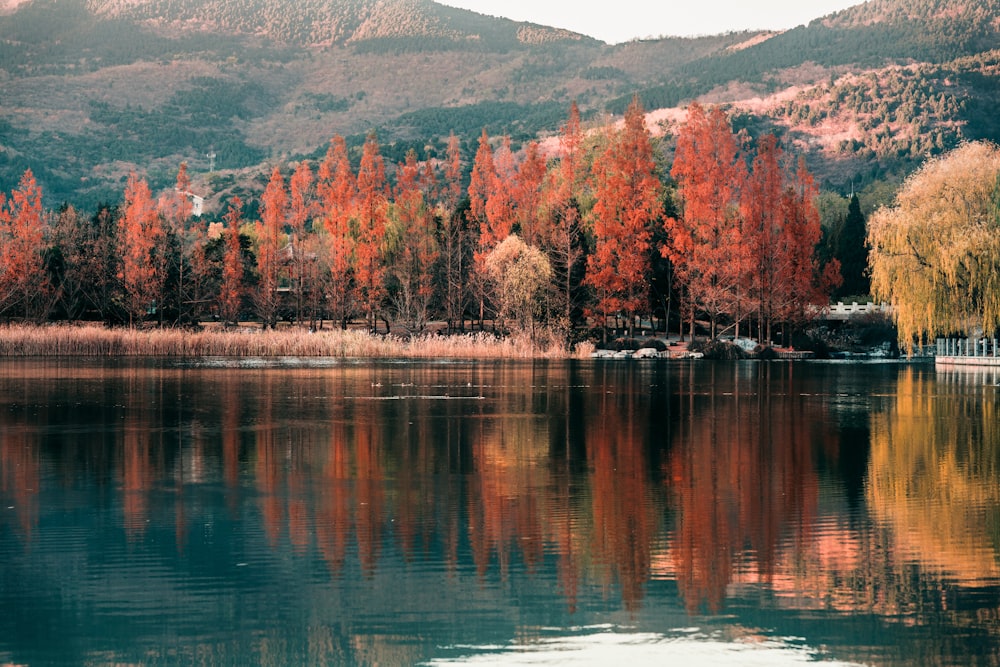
(935, 253)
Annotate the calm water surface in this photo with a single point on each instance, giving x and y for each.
(458, 513)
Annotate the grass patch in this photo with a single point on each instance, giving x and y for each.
(62, 340)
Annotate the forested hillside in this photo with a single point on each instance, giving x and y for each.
(414, 24)
(93, 89)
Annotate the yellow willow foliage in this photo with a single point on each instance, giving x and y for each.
(935, 254)
(520, 274)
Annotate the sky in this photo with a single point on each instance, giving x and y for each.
(616, 21)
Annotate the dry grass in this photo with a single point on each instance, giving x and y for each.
(96, 341)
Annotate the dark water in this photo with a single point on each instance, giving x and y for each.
(548, 513)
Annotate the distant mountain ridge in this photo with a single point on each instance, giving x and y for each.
(328, 22)
(92, 89)
(889, 12)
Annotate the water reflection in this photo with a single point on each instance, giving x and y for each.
(744, 479)
(381, 513)
(933, 481)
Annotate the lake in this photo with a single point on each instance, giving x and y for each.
(583, 512)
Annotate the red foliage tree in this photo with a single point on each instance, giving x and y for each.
(804, 282)
(765, 214)
(372, 205)
(501, 200)
(454, 236)
(528, 196)
(706, 242)
(764, 228)
(273, 214)
(23, 280)
(231, 292)
(783, 231)
(300, 211)
(175, 206)
(175, 209)
(561, 232)
(202, 285)
(140, 234)
(481, 182)
(627, 202)
(414, 248)
(336, 189)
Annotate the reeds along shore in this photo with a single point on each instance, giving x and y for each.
(20, 340)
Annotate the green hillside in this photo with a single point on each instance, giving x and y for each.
(95, 88)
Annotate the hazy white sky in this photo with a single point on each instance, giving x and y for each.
(621, 20)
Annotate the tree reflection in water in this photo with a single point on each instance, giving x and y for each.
(721, 478)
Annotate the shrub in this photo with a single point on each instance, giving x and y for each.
(717, 349)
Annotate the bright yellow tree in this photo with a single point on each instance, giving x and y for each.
(935, 254)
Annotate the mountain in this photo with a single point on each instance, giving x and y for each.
(868, 91)
(326, 23)
(95, 88)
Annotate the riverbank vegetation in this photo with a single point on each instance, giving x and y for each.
(95, 340)
(595, 233)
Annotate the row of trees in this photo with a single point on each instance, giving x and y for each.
(522, 239)
(743, 245)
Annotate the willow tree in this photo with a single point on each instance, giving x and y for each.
(935, 254)
(520, 275)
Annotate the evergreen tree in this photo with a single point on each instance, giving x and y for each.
(852, 252)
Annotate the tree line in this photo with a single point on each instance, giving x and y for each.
(590, 233)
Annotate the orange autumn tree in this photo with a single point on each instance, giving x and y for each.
(501, 216)
(300, 211)
(454, 236)
(371, 212)
(481, 182)
(269, 231)
(140, 234)
(23, 281)
(561, 232)
(501, 201)
(627, 194)
(807, 282)
(766, 221)
(782, 231)
(528, 196)
(231, 292)
(336, 190)
(413, 250)
(706, 243)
